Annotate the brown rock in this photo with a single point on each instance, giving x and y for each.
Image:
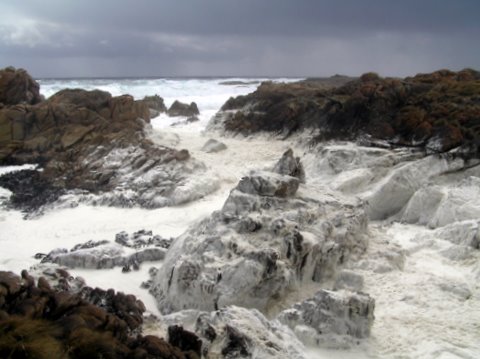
(159, 348)
(75, 135)
(185, 340)
(440, 107)
(11, 282)
(17, 86)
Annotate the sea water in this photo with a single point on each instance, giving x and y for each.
(208, 93)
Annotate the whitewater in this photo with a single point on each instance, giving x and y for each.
(423, 279)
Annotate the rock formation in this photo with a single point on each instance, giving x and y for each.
(155, 104)
(331, 319)
(265, 240)
(127, 252)
(182, 109)
(235, 332)
(18, 87)
(97, 144)
(290, 166)
(437, 111)
(39, 321)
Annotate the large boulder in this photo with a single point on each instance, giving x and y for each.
(182, 109)
(18, 87)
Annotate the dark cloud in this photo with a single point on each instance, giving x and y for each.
(230, 37)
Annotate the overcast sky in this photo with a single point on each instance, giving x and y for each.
(67, 38)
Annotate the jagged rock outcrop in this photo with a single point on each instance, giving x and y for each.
(18, 87)
(128, 252)
(69, 121)
(236, 332)
(437, 111)
(182, 109)
(97, 145)
(155, 104)
(30, 190)
(290, 165)
(331, 319)
(267, 238)
(38, 321)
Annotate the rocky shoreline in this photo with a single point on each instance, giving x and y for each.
(91, 144)
(288, 260)
(437, 112)
(58, 317)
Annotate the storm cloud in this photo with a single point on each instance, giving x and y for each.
(58, 38)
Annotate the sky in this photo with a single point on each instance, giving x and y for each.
(298, 38)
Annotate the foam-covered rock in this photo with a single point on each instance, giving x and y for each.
(443, 204)
(268, 184)
(127, 252)
(213, 145)
(236, 332)
(465, 233)
(259, 247)
(331, 319)
(93, 143)
(392, 193)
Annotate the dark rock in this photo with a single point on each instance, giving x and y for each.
(18, 87)
(185, 340)
(181, 109)
(11, 282)
(47, 323)
(155, 104)
(158, 348)
(290, 166)
(438, 110)
(238, 345)
(30, 189)
(268, 184)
